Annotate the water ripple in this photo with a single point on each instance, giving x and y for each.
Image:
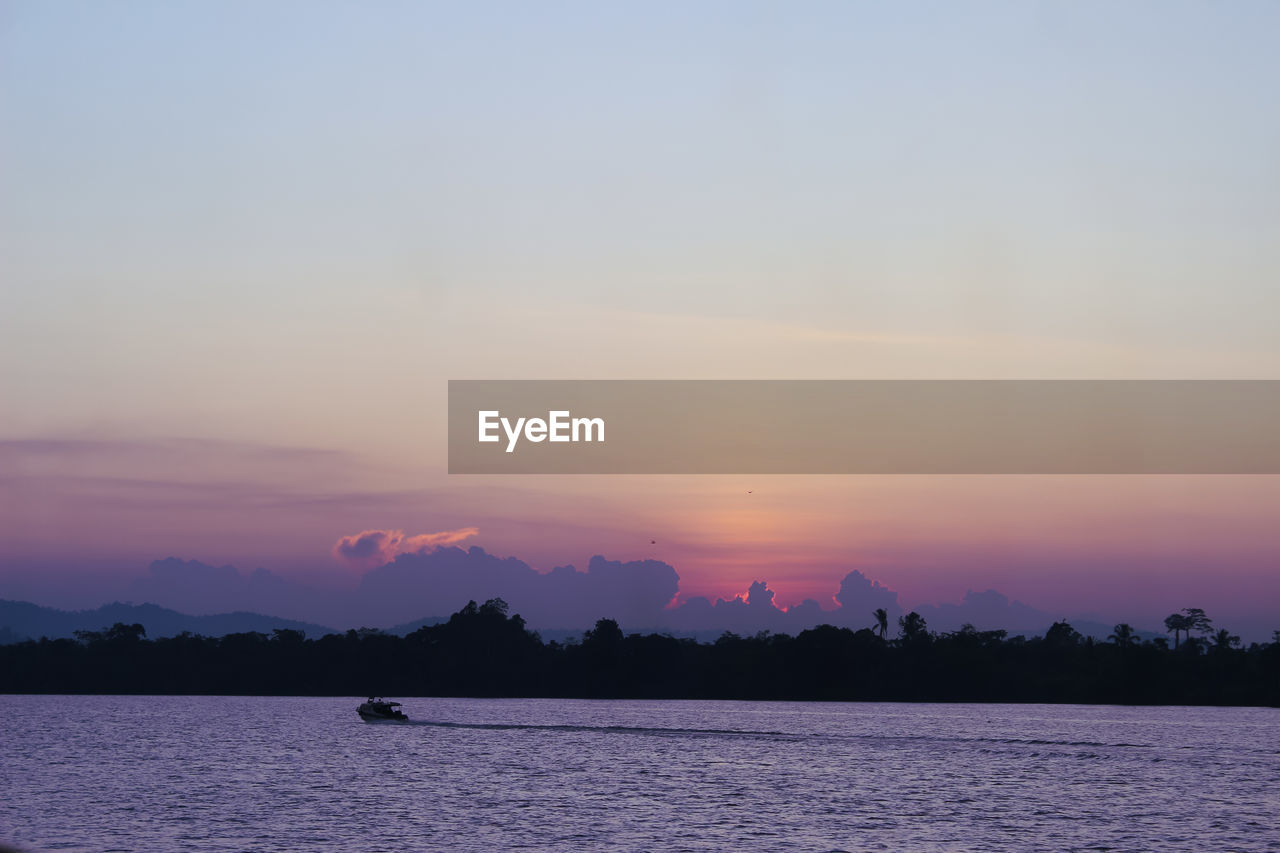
(304, 774)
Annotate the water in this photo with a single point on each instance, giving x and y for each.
(104, 773)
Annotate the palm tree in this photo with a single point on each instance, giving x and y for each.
(882, 621)
(1224, 641)
(1124, 635)
(1176, 622)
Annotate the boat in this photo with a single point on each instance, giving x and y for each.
(378, 710)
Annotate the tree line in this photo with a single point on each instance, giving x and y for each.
(483, 651)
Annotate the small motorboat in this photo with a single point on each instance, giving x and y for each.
(379, 710)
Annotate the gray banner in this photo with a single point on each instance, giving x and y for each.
(864, 427)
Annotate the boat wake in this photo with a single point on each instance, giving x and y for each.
(652, 731)
(623, 730)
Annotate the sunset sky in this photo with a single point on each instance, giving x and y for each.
(243, 247)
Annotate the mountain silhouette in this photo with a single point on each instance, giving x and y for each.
(21, 620)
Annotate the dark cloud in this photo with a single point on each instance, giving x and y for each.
(190, 586)
(442, 580)
(743, 614)
(436, 580)
(860, 597)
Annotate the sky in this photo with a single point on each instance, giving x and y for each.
(243, 247)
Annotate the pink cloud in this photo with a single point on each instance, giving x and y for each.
(371, 548)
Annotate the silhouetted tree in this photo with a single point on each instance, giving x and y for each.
(1224, 641)
(1061, 634)
(1197, 621)
(483, 651)
(882, 621)
(606, 634)
(1190, 619)
(288, 637)
(1176, 622)
(494, 607)
(1124, 636)
(118, 633)
(913, 629)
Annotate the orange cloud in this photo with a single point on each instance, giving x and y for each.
(370, 548)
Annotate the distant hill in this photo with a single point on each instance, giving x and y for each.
(406, 628)
(20, 620)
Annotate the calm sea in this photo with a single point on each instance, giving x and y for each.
(103, 773)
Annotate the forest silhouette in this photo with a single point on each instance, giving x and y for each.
(483, 651)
